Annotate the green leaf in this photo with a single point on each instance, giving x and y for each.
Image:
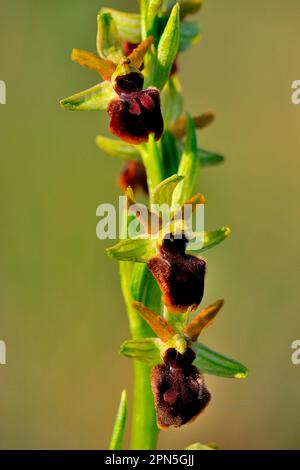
(170, 154)
(207, 240)
(211, 362)
(138, 250)
(172, 101)
(144, 10)
(198, 446)
(93, 99)
(117, 438)
(208, 158)
(108, 41)
(162, 194)
(144, 287)
(188, 167)
(189, 35)
(145, 350)
(128, 24)
(152, 10)
(166, 51)
(152, 160)
(118, 148)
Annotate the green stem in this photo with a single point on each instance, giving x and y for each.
(144, 431)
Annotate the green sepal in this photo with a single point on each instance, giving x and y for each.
(214, 363)
(207, 240)
(108, 41)
(171, 101)
(163, 193)
(188, 167)
(117, 148)
(145, 350)
(166, 51)
(151, 350)
(209, 158)
(116, 442)
(94, 99)
(128, 24)
(138, 250)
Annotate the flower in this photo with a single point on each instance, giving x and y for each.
(179, 276)
(135, 113)
(179, 390)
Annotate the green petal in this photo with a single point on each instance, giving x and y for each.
(138, 250)
(166, 51)
(172, 101)
(207, 240)
(189, 35)
(128, 24)
(93, 99)
(162, 194)
(145, 350)
(118, 148)
(188, 167)
(211, 362)
(108, 41)
(117, 438)
(208, 158)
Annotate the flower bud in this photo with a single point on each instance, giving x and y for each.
(133, 175)
(179, 390)
(179, 276)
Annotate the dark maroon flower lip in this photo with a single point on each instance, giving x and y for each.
(134, 116)
(179, 389)
(179, 276)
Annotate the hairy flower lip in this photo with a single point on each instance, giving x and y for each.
(179, 276)
(137, 115)
(179, 389)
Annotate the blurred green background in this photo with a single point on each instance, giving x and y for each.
(61, 310)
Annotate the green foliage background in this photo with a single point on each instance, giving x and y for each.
(61, 311)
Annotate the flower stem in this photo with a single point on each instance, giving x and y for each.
(144, 431)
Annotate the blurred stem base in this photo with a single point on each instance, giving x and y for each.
(144, 431)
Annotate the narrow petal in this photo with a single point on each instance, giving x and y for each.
(203, 319)
(87, 59)
(163, 330)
